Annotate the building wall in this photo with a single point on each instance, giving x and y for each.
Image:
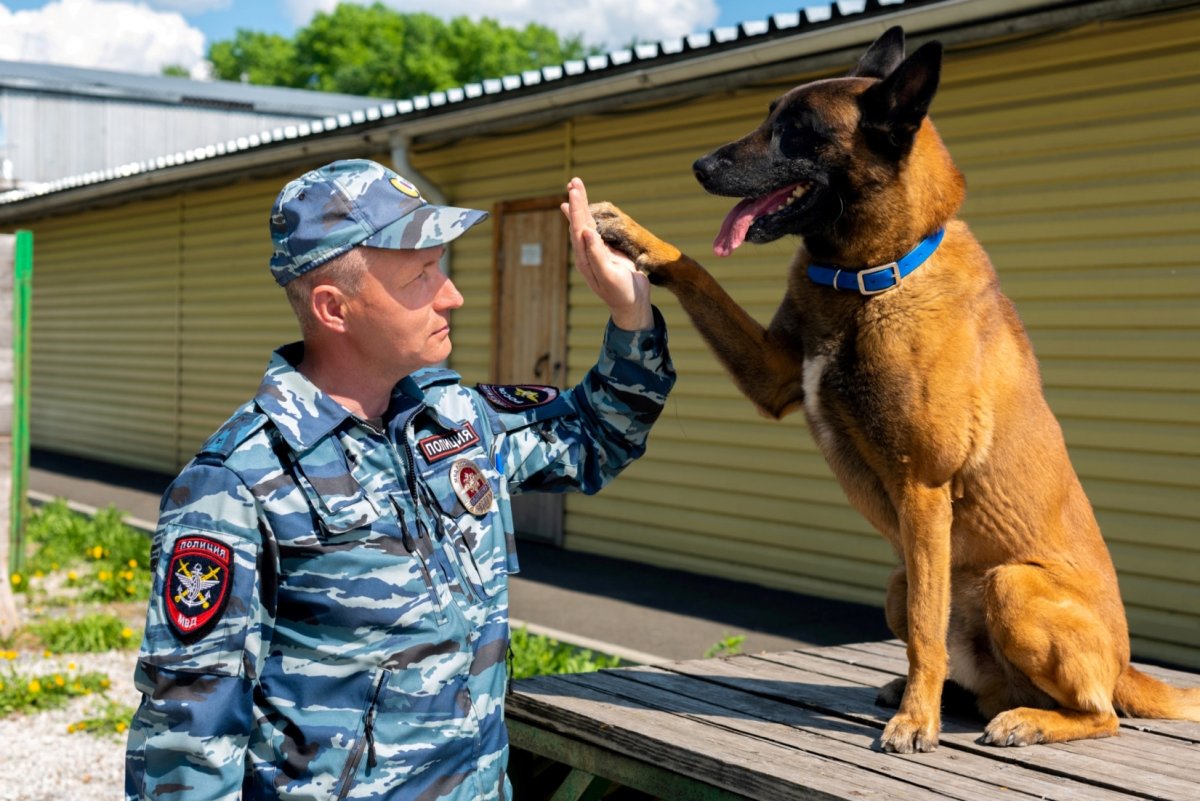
(1082, 154)
(51, 136)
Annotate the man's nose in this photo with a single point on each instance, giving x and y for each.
(448, 296)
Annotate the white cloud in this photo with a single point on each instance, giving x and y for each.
(124, 36)
(608, 23)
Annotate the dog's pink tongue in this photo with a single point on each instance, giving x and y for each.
(733, 230)
(737, 222)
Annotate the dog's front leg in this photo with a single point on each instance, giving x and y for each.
(925, 518)
(766, 367)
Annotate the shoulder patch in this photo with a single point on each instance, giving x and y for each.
(198, 584)
(517, 397)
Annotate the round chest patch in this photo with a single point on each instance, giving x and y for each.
(198, 585)
(471, 487)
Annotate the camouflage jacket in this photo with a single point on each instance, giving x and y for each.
(329, 617)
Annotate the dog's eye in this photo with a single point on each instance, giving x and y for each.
(774, 105)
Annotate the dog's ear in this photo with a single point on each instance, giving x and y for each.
(883, 56)
(892, 110)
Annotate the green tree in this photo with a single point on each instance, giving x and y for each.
(374, 50)
(262, 58)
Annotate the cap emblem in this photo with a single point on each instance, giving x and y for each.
(405, 187)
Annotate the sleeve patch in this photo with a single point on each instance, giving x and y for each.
(198, 585)
(517, 397)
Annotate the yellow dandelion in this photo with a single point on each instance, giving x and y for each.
(10, 655)
(127, 632)
(96, 552)
(130, 589)
(35, 686)
(59, 681)
(120, 727)
(133, 563)
(104, 683)
(104, 575)
(72, 576)
(46, 654)
(1, 686)
(77, 687)
(54, 565)
(70, 666)
(16, 579)
(70, 728)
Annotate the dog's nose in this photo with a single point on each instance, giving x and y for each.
(702, 168)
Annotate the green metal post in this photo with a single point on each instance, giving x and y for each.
(22, 302)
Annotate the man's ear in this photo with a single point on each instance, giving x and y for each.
(892, 110)
(883, 56)
(328, 305)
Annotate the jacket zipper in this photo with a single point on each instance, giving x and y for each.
(459, 544)
(365, 743)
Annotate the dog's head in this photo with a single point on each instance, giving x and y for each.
(832, 157)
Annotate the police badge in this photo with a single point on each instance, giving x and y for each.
(471, 487)
(198, 584)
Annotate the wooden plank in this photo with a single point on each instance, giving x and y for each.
(629, 772)
(975, 775)
(889, 655)
(819, 692)
(759, 768)
(792, 726)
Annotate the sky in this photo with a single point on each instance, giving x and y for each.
(145, 35)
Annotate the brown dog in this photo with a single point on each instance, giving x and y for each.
(925, 400)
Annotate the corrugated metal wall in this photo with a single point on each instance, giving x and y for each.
(104, 334)
(1081, 153)
(152, 322)
(49, 136)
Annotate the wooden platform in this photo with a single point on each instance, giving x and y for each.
(803, 725)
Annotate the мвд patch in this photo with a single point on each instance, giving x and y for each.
(198, 584)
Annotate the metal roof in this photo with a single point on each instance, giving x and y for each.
(107, 84)
(617, 74)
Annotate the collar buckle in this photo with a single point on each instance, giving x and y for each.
(893, 267)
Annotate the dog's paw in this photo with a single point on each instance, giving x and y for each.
(1012, 727)
(891, 693)
(614, 227)
(907, 734)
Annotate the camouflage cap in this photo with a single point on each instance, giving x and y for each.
(325, 212)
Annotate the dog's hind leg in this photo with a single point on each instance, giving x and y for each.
(1062, 647)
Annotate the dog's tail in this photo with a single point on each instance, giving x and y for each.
(1140, 696)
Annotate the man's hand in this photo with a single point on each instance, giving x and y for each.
(609, 273)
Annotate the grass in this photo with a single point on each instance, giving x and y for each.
(535, 655)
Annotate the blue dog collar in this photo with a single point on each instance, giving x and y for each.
(874, 280)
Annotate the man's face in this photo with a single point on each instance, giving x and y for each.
(400, 318)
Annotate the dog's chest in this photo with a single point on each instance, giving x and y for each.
(814, 371)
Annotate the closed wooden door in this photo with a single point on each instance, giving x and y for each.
(529, 338)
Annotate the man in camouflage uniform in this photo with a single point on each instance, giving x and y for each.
(329, 616)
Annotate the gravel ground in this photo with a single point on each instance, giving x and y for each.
(50, 764)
